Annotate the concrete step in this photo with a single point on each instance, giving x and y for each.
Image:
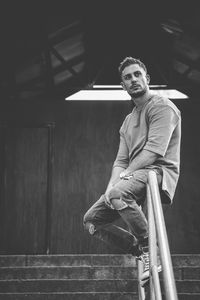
(98, 272)
(188, 296)
(65, 285)
(186, 260)
(83, 285)
(70, 296)
(86, 277)
(188, 286)
(87, 272)
(66, 260)
(84, 296)
(192, 260)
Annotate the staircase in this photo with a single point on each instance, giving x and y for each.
(86, 277)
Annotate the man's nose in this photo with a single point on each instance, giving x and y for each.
(133, 78)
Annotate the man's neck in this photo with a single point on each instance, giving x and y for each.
(140, 101)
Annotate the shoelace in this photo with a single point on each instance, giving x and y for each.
(145, 259)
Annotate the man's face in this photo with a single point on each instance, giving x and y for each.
(135, 80)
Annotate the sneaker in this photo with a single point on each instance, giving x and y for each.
(136, 251)
(144, 257)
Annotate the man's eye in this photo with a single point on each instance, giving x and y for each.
(137, 74)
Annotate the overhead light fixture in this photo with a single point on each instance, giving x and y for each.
(116, 93)
(120, 87)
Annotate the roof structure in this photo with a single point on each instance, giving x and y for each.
(54, 49)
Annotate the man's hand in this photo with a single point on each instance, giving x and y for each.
(125, 175)
(115, 178)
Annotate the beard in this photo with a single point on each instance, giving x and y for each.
(138, 94)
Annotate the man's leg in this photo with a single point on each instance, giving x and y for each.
(135, 219)
(98, 221)
(126, 197)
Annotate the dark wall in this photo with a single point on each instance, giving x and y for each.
(23, 184)
(85, 144)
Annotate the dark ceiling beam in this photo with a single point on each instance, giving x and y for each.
(65, 33)
(33, 82)
(193, 64)
(63, 61)
(48, 71)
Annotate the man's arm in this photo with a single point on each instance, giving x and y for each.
(115, 177)
(144, 159)
(120, 164)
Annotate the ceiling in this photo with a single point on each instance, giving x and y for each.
(49, 50)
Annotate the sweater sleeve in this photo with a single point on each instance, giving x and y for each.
(122, 158)
(162, 121)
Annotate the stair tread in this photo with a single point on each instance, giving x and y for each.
(67, 293)
(107, 275)
(81, 279)
(71, 296)
(184, 260)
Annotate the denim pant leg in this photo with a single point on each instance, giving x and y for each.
(127, 196)
(98, 221)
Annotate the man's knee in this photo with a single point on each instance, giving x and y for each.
(115, 198)
(114, 194)
(118, 204)
(87, 219)
(89, 227)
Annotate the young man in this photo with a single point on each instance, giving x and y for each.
(149, 139)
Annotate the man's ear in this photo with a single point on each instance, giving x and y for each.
(148, 78)
(123, 85)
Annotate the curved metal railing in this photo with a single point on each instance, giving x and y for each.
(157, 235)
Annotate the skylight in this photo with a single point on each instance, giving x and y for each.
(116, 93)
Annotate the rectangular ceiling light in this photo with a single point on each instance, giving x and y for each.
(120, 87)
(116, 93)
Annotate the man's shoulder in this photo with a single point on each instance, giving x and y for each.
(126, 121)
(158, 100)
(127, 117)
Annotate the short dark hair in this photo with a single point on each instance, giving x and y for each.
(130, 61)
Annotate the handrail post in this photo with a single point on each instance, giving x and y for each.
(141, 291)
(168, 275)
(153, 271)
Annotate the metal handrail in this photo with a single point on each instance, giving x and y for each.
(155, 289)
(141, 291)
(157, 232)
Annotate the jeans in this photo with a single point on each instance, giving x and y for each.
(127, 201)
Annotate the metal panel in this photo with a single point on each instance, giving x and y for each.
(26, 157)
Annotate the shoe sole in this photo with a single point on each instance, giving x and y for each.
(144, 279)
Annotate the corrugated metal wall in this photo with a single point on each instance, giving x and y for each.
(85, 142)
